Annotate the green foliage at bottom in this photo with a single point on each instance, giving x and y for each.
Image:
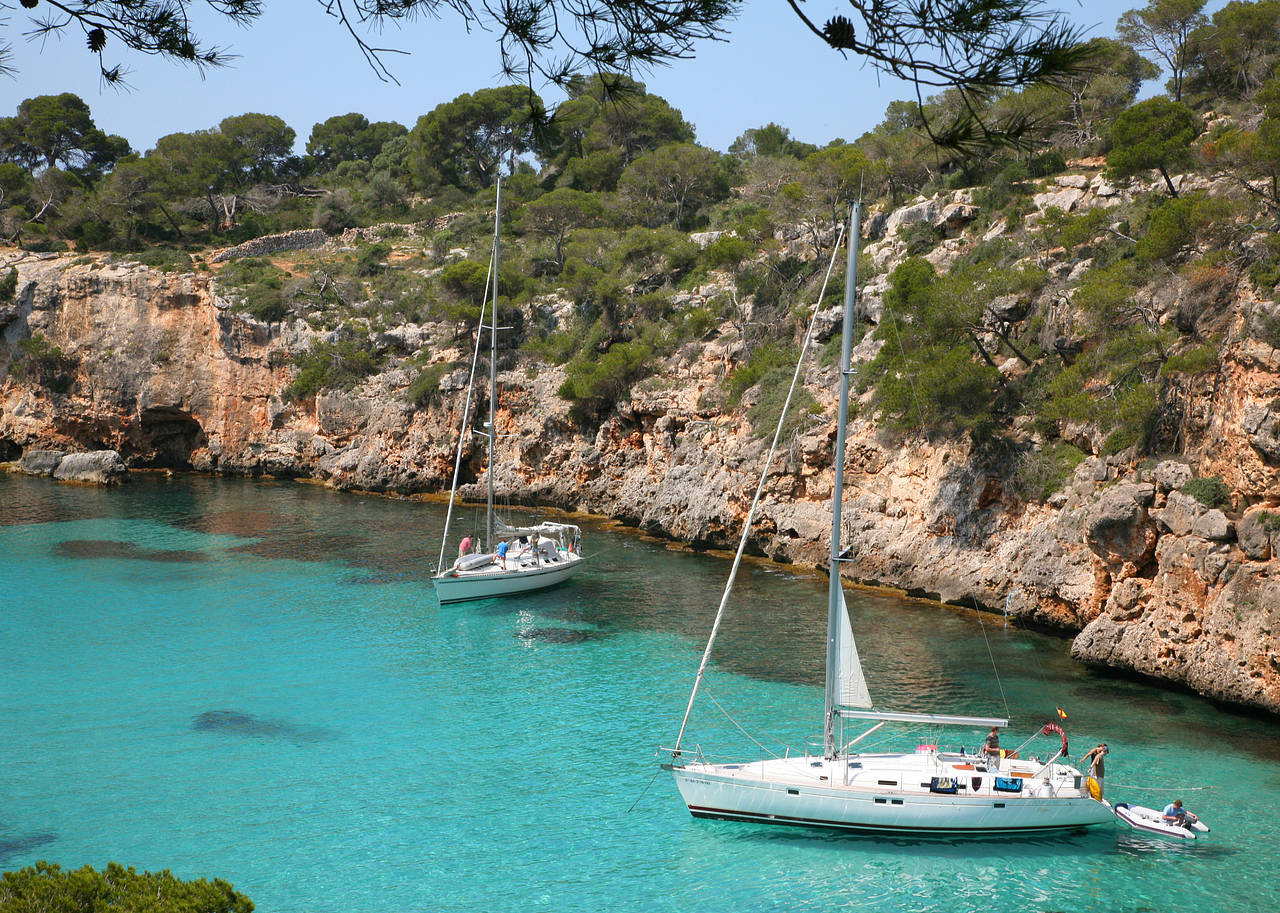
(46, 888)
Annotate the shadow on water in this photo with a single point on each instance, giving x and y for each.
(233, 722)
(109, 549)
(559, 635)
(17, 847)
(1082, 842)
(1101, 841)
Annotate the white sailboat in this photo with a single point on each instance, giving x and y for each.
(514, 559)
(930, 790)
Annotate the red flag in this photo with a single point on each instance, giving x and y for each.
(1062, 713)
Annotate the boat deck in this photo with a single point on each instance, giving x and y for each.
(925, 791)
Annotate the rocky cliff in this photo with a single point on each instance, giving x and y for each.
(1146, 577)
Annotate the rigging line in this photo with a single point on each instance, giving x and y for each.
(994, 668)
(462, 436)
(766, 749)
(746, 526)
(645, 790)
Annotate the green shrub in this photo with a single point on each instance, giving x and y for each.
(1042, 472)
(1047, 163)
(1264, 274)
(260, 285)
(1193, 361)
(9, 284)
(372, 260)
(1266, 328)
(727, 251)
(331, 365)
(764, 415)
(425, 388)
(165, 259)
(1177, 223)
(763, 359)
(1211, 492)
(46, 888)
(48, 364)
(1135, 414)
(920, 237)
(594, 384)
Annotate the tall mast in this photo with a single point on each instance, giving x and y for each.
(493, 366)
(835, 598)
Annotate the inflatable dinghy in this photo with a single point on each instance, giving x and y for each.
(1152, 821)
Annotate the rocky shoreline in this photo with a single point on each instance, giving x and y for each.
(1146, 578)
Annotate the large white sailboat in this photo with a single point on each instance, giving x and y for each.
(511, 559)
(929, 790)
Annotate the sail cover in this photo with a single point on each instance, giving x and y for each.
(852, 684)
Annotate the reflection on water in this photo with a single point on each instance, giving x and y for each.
(97, 549)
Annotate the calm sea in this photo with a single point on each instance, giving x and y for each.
(254, 681)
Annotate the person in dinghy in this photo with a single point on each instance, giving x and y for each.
(1174, 813)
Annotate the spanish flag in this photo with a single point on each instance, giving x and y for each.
(1062, 713)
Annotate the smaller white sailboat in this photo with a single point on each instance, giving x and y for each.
(514, 559)
(930, 790)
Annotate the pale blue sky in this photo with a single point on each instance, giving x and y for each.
(301, 66)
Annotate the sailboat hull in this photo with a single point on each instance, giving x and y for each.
(794, 792)
(493, 581)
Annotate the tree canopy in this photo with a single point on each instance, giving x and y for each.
(1153, 134)
(978, 46)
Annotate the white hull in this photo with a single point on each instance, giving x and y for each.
(809, 792)
(493, 581)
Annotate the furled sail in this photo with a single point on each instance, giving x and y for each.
(852, 684)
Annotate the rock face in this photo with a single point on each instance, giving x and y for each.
(1146, 577)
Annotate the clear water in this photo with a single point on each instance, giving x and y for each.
(253, 681)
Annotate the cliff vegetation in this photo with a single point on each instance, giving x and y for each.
(1068, 367)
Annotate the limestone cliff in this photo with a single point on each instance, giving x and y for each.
(156, 367)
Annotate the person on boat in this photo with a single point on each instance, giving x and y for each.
(1174, 813)
(1097, 767)
(464, 546)
(501, 556)
(991, 747)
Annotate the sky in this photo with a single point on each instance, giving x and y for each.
(300, 65)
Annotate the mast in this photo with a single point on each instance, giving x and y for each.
(835, 598)
(493, 367)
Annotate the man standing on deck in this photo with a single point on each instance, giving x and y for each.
(1097, 767)
(991, 747)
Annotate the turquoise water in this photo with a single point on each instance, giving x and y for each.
(254, 681)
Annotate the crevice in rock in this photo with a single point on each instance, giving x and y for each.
(164, 437)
